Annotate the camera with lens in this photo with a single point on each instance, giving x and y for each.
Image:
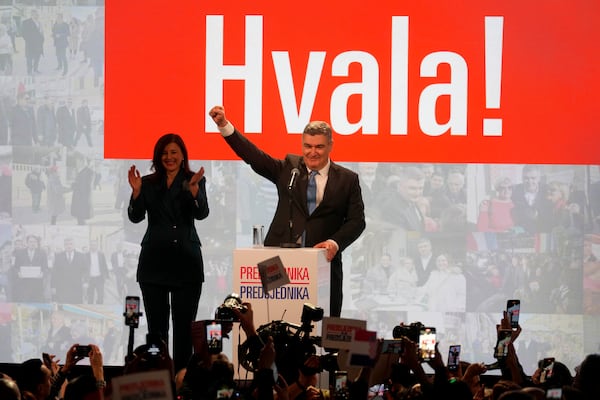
(225, 311)
(294, 345)
(411, 331)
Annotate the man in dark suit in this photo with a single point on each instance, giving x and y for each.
(338, 219)
(424, 261)
(399, 205)
(84, 123)
(532, 210)
(29, 270)
(31, 31)
(67, 275)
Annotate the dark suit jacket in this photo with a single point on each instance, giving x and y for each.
(67, 277)
(402, 213)
(340, 215)
(171, 249)
(423, 271)
(29, 289)
(33, 36)
(534, 218)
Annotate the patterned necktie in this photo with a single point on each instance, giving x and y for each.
(311, 192)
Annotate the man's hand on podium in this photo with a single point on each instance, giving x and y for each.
(331, 247)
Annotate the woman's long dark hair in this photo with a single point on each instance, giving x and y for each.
(159, 148)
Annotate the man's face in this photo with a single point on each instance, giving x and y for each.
(411, 189)
(455, 183)
(367, 171)
(436, 182)
(531, 181)
(68, 245)
(424, 248)
(31, 244)
(315, 151)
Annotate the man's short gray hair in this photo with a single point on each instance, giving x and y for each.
(318, 128)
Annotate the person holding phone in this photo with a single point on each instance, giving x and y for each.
(170, 267)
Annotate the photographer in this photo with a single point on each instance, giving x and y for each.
(88, 386)
(209, 375)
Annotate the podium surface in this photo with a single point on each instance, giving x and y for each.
(307, 269)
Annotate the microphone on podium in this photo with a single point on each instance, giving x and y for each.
(293, 177)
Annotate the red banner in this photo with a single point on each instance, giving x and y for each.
(427, 81)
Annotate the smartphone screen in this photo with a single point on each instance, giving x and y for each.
(132, 311)
(214, 338)
(453, 357)
(427, 343)
(547, 368)
(513, 308)
(501, 349)
(554, 394)
(341, 380)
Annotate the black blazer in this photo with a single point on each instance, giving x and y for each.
(340, 215)
(171, 249)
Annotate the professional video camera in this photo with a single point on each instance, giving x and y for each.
(411, 331)
(293, 346)
(225, 311)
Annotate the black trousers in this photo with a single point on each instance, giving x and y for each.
(336, 291)
(182, 302)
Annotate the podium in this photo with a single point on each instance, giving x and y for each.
(309, 274)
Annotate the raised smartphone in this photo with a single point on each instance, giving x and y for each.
(513, 309)
(427, 341)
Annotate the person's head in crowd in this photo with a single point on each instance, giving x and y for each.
(455, 182)
(32, 242)
(536, 392)
(385, 261)
(443, 263)
(202, 381)
(9, 390)
(424, 247)
(151, 356)
(69, 244)
(557, 193)
(436, 182)
(454, 389)
(453, 218)
(367, 171)
(586, 376)
(502, 386)
(401, 379)
(317, 143)
(34, 379)
(503, 189)
(561, 376)
(82, 387)
(516, 395)
(428, 170)
(531, 176)
(411, 184)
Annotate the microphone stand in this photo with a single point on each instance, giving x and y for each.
(291, 244)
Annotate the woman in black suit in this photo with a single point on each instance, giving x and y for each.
(170, 269)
